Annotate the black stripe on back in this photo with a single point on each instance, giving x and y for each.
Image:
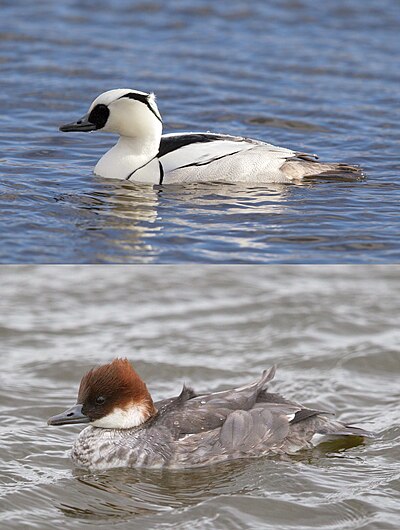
(209, 161)
(172, 143)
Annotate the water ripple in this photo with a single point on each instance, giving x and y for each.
(335, 342)
(327, 88)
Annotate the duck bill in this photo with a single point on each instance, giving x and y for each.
(82, 125)
(71, 415)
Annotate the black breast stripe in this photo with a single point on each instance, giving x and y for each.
(140, 167)
(161, 172)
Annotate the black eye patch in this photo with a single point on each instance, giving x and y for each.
(99, 115)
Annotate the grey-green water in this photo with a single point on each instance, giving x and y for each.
(333, 332)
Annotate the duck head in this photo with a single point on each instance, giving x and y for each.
(123, 111)
(112, 396)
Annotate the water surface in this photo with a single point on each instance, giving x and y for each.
(333, 332)
(314, 76)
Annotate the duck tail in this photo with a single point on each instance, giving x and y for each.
(335, 428)
(357, 431)
(304, 165)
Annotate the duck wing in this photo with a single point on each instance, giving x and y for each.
(173, 141)
(242, 422)
(191, 150)
(191, 413)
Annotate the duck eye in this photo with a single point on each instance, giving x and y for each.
(99, 115)
(100, 400)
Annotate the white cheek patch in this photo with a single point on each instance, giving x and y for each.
(123, 418)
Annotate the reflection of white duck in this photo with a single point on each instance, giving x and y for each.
(143, 154)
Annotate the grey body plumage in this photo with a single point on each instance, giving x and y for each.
(194, 430)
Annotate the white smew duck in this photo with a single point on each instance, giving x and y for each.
(143, 154)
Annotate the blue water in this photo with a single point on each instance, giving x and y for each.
(315, 76)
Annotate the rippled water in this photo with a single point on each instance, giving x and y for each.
(332, 331)
(316, 76)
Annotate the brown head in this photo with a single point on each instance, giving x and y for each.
(110, 396)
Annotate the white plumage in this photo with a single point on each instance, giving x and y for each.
(143, 154)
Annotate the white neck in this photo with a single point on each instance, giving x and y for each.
(128, 418)
(129, 154)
